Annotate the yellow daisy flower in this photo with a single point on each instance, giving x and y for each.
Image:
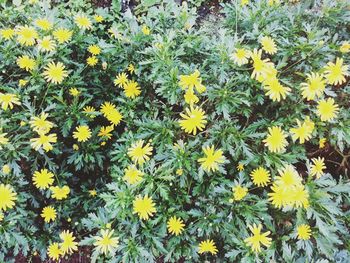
(54, 251)
(131, 89)
(212, 159)
(68, 244)
(262, 67)
(192, 81)
(60, 193)
(275, 90)
(7, 100)
(26, 35)
(43, 23)
(257, 239)
(6, 169)
(239, 192)
(82, 133)
(193, 121)
(105, 132)
(327, 110)
(260, 176)
(45, 141)
(40, 124)
(144, 207)
(146, 30)
(276, 140)
(190, 97)
(175, 225)
(94, 49)
(43, 179)
(314, 87)
(304, 232)
(82, 21)
(111, 113)
(335, 73)
(106, 242)
(98, 18)
(317, 167)
(7, 197)
(268, 44)
(240, 56)
(304, 130)
(121, 79)
(55, 73)
(344, 48)
(62, 35)
(25, 62)
(132, 175)
(207, 246)
(7, 33)
(49, 214)
(138, 153)
(46, 44)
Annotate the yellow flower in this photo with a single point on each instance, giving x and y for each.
(190, 97)
(131, 68)
(54, 251)
(314, 87)
(335, 73)
(43, 179)
(6, 169)
(260, 176)
(90, 111)
(288, 177)
(316, 169)
(268, 44)
(82, 133)
(49, 214)
(262, 67)
(121, 79)
(25, 62)
(179, 172)
(344, 48)
(257, 239)
(175, 225)
(40, 124)
(146, 30)
(74, 92)
(132, 175)
(138, 153)
(26, 35)
(7, 100)
(46, 44)
(192, 81)
(7, 33)
(304, 130)
(7, 197)
(207, 246)
(44, 141)
(275, 90)
(110, 112)
(3, 139)
(92, 192)
(62, 35)
(327, 109)
(273, 2)
(144, 207)
(131, 89)
(60, 193)
(82, 21)
(322, 142)
(304, 232)
(276, 140)
(22, 82)
(43, 23)
(106, 242)
(195, 119)
(105, 132)
(241, 55)
(98, 18)
(94, 49)
(239, 192)
(212, 159)
(244, 2)
(240, 167)
(92, 61)
(55, 73)
(68, 244)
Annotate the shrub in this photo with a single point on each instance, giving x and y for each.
(155, 134)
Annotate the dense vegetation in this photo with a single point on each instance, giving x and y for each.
(156, 134)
